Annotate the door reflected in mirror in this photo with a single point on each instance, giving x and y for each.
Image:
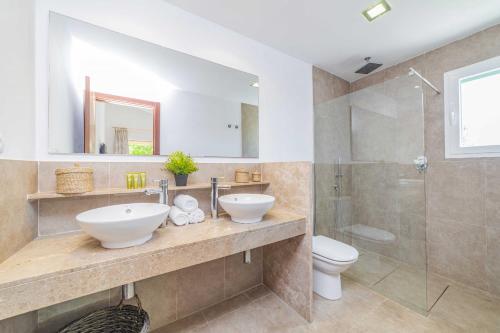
(120, 125)
(110, 93)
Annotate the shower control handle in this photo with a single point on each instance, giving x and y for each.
(421, 164)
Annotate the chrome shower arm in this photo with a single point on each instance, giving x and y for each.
(427, 82)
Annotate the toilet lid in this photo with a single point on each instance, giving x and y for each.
(333, 250)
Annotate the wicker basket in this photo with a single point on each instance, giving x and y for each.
(114, 319)
(242, 176)
(74, 180)
(256, 176)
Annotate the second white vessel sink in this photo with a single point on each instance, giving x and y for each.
(122, 226)
(246, 208)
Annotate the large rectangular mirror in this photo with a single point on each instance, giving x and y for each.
(113, 94)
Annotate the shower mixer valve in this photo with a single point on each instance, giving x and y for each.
(420, 164)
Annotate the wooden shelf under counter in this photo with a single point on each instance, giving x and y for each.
(121, 191)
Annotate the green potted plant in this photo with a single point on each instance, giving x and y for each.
(181, 165)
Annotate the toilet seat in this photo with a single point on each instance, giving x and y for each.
(330, 250)
(332, 262)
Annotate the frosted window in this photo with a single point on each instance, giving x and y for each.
(480, 110)
(472, 110)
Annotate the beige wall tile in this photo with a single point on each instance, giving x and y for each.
(455, 191)
(434, 127)
(291, 184)
(47, 177)
(18, 218)
(332, 135)
(288, 264)
(402, 69)
(243, 189)
(376, 193)
(372, 79)
(158, 296)
(199, 287)
(458, 251)
(59, 216)
(55, 317)
(493, 259)
(206, 170)
(25, 323)
(492, 193)
(230, 168)
(118, 199)
(240, 276)
(327, 86)
(154, 171)
(454, 55)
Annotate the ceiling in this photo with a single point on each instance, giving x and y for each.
(333, 35)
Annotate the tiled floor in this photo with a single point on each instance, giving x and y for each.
(360, 310)
(409, 285)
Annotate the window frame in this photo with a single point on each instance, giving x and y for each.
(452, 112)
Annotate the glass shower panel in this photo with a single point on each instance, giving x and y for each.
(369, 192)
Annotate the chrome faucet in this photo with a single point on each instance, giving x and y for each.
(162, 191)
(214, 195)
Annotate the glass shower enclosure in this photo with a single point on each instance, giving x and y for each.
(370, 187)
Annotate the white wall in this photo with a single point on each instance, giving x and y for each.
(197, 125)
(285, 105)
(66, 102)
(17, 112)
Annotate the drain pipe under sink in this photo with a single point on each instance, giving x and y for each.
(128, 291)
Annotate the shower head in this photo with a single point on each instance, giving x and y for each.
(369, 67)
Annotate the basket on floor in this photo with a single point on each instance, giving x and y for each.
(116, 319)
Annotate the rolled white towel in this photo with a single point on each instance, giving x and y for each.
(197, 216)
(186, 202)
(178, 216)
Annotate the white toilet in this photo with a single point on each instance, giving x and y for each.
(330, 258)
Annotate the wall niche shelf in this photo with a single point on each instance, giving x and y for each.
(121, 191)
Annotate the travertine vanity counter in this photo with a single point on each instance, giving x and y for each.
(56, 269)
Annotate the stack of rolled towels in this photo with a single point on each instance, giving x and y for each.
(185, 210)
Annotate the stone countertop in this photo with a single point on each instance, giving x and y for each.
(55, 269)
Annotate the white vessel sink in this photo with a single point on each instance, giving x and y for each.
(122, 226)
(246, 208)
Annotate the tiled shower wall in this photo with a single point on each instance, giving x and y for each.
(330, 121)
(462, 195)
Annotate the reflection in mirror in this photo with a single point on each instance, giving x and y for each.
(113, 94)
(120, 125)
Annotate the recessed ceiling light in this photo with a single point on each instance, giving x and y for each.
(255, 84)
(376, 10)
